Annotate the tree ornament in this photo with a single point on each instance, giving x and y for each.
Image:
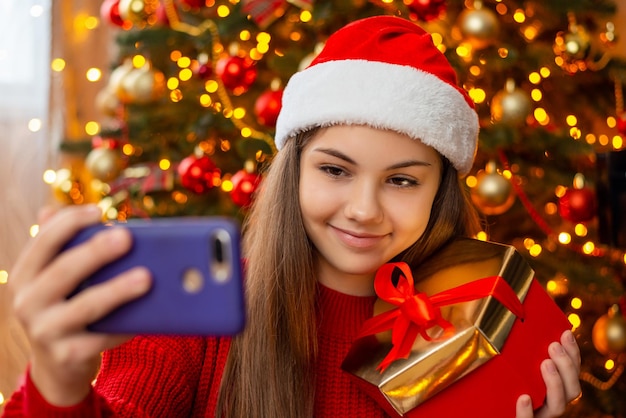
(139, 12)
(245, 185)
(198, 173)
(480, 26)
(493, 194)
(116, 77)
(510, 106)
(107, 102)
(204, 70)
(621, 124)
(609, 332)
(62, 185)
(572, 47)
(578, 203)
(104, 163)
(427, 10)
(237, 73)
(161, 15)
(110, 12)
(575, 43)
(267, 107)
(143, 85)
(97, 141)
(193, 4)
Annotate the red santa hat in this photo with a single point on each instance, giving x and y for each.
(383, 72)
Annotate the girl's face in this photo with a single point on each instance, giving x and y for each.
(365, 196)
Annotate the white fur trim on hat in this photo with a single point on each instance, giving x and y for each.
(385, 96)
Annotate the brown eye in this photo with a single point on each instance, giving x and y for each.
(333, 171)
(403, 181)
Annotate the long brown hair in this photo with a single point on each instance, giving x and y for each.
(270, 367)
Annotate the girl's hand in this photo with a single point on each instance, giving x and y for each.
(560, 373)
(65, 356)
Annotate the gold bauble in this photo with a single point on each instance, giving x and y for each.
(510, 106)
(107, 102)
(479, 26)
(116, 77)
(143, 85)
(577, 42)
(104, 164)
(62, 185)
(493, 194)
(573, 45)
(139, 12)
(609, 332)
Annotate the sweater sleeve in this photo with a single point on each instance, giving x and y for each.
(146, 377)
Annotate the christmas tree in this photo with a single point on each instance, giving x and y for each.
(192, 97)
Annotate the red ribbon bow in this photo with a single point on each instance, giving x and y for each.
(416, 313)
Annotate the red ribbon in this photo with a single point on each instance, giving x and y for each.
(416, 313)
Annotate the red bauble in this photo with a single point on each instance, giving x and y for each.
(194, 4)
(161, 15)
(621, 124)
(427, 10)
(110, 12)
(198, 173)
(578, 205)
(267, 107)
(204, 71)
(244, 186)
(237, 73)
(98, 141)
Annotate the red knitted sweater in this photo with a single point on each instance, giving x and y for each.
(180, 376)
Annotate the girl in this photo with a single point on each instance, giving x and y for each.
(374, 136)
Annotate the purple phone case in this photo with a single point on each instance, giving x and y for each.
(171, 248)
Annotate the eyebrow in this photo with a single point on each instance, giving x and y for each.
(403, 164)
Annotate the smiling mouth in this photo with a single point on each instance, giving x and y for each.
(356, 239)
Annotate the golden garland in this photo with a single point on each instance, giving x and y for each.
(599, 384)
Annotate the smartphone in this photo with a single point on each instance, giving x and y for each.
(197, 286)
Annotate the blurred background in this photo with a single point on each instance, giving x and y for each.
(153, 108)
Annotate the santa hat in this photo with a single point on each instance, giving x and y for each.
(383, 72)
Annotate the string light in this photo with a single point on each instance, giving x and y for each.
(57, 65)
(34, 125)
(93, 74)
(164, 164)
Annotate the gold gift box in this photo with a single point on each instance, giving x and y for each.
(481, 326)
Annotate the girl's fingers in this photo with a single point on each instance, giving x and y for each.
(51, 238)
(561, 376)
(89, 305)
(96, 301)
(524, 407)
(45, 214)
(568, 341)
(555, 397)
(65, 273)
(555, 390)
(566, 357)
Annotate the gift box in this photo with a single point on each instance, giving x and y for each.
(463, 335)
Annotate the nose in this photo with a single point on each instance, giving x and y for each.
(363, 203)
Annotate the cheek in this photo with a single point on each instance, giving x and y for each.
(315, 195)
(412, 217)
